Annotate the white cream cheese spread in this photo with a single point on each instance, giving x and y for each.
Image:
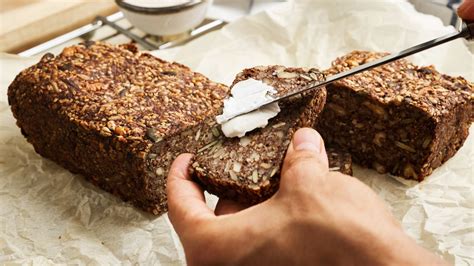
(246, 95)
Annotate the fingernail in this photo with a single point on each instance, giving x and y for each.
(307, 139)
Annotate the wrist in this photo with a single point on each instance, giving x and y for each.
(397, 248)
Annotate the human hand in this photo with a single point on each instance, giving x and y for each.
(466, 10)
(316, 217)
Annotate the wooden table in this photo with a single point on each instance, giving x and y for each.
(26, 23)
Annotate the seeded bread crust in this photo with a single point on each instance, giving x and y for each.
(98, 110)
(397, 118)
(248, 169)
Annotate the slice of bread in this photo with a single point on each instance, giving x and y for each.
(247, 169)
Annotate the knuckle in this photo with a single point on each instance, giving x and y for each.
(303, 174)
(301, 159)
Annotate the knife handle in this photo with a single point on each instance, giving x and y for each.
(469, 29)
(465, 28)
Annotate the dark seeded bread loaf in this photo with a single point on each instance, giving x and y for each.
(247, 169)
(397, 118)
(98, 110)
(119, 117)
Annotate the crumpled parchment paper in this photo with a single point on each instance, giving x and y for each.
(48, 215)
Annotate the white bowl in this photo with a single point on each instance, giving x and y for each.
(164, 20)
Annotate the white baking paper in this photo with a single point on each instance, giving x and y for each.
(49, 216)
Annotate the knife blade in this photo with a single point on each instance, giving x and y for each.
(466, 31)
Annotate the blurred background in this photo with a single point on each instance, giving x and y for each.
(31, 27)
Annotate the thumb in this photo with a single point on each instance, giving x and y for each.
(305, 162)
(466, 10)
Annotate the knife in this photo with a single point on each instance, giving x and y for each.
(466, 31)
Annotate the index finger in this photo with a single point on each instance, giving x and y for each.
(186, 202)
